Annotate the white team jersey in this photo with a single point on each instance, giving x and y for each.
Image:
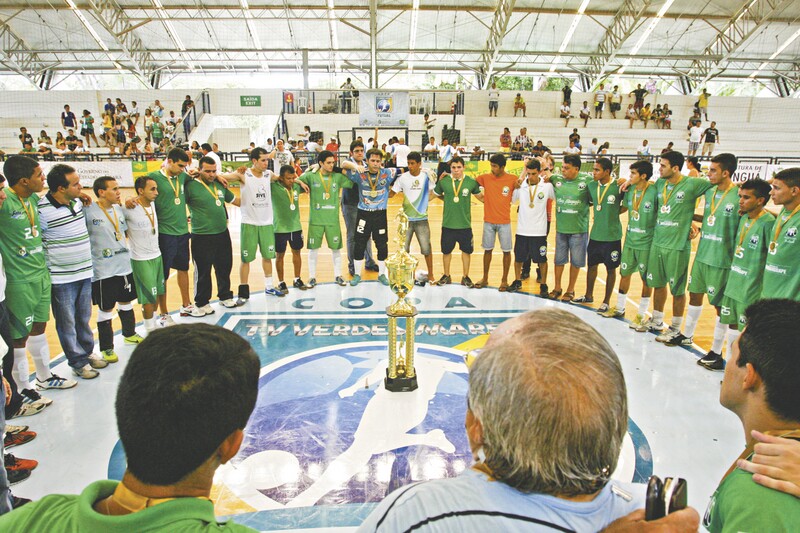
(142, 242)
(256, 199)
(532, 221)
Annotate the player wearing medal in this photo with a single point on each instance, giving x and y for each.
(324, 186)
(605, 240)
(641, 204)
(782, 273)
(668, 264)
(112, 278)
(373, 187)
(714, 253)
(146, 263)
(572, 222)
(286, 207)
(417, 187)
(27, 278)
(747, 266)
(533, 194)
(211, 240)
(456, 190)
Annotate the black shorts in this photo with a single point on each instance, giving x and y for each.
(461, 236)
(442, 168)
(174, 252)
(293, 239)
(606, 253)
(371, 224)
(530, 248)
(599, 106)
(106, 293)
(615, 106)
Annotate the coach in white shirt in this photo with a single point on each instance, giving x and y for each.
(400, 156)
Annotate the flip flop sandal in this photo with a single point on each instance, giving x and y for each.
(503, 288)
(480, 285)
(555, 294)
(568, 297)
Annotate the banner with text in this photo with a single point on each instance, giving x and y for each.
(383, 108)
(91, 170)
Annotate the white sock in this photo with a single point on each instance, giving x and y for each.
(676, 323)
(692, 316)
(337, 262)
(719, 336)
(381, 268)
(644, 305)
(733, 334)
(149, 324)
(269, 281)
(312, 263)
(621, 299)
(658, 317)
(40, 351)
(358, 266)
(21, 372)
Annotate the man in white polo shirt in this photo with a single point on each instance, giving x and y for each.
(400, 155)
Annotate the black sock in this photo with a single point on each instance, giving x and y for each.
(128, 319)
(244, 291)
(106, 334)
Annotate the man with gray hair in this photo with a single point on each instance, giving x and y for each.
(546, 417)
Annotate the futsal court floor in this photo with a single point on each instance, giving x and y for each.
(326, 442)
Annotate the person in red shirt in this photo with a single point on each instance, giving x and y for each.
(333, 146)
(498, 187)
(505, 140)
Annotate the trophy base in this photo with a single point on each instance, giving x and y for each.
(400, 383)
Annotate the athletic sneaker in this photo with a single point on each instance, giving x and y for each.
(207, 309)
(134, 339)
(638, 320)
(583, 300)
(355, 281)
(10, 430)
(14, 477)
(230, 303)
(543, 291)
(668, 335)
(283, 288)
(515, 286)
(339, 281)
(18, 439)
(86, 372)
(708, 358)
(96, 362)
(272, 291)
(716, 364)
(383, 279)
(602, 309)
(27, 409)
(191, 310)
(444, 280)
(646, 324)
(14, 463)
(312, 283)
(613, 312)
(298, 284)
(55, 382)
(110, 356)
(679, 340)
(656, 327)
(31, 396)
(165, 321)
(465, 281)
(240, 301)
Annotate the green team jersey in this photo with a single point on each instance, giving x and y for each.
(158, 129)
(675, 210)
(606, 226)
(324, 194)
(719, 229)
(642, 213)
(171, 215)
(749, 257)
(287, 219)
(457, 215)
(572, 203)
(207, 205)
(21, 243)
(782, 273)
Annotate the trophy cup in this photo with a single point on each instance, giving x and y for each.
(400, 374)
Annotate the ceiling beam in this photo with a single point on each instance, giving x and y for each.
(497, 31)
(17, 57)
(624, 24)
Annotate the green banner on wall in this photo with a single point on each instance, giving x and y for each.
(250, 101)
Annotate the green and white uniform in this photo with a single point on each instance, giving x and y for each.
(209, 215)
(782, 271)
(747, 268)
(457, 215)
(323, 220)
(668, 263)
(258, 230)
(287, 220)
(572, 203)
(642, 212)
(715, 251)
(606, 226)
(171, 203)
(148, 268)
(28, 282)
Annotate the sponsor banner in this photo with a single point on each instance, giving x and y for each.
(91, 170)
(747, 170)
(383, 108)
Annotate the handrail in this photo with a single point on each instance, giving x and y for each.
(191, 119)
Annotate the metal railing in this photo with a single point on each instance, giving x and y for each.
(323, 101)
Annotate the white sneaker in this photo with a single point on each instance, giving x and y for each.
(86, 372)
(206, 310)
(667, 335)
(165, 321)
(645, 325)
(230, 303)
(191, 310)
(637, 321)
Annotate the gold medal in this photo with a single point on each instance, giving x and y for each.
(34, 231)
(635, 215)
(599, 207)
(175, 188)
(531, 205)
(665, 209)
(773, 246)
(711, 220)
(218, 203)
(455, 199)
(118, 236)
(30, 214)
(292, 207)
(177, 201)
(214, 193)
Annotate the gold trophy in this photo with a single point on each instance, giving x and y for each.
(400, 374)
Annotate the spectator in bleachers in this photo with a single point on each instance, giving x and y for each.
(599, 101)
(333, 145)
(134, 114)
(540, 149)
(639, 95)
(72, 140)
(157, 109)
(148, 148)
(87, 129)
(631, 115)
(586, 114)
(24, 136)
(156, 129)
(565, 113)
(133, 137)
(644, 150)
(347, 96)
(709, 139)
(80, 149)
(431, 150)
(575, 136)
(693, 165)
(567, 90)
(494, 99)
(269, 146)
(695, 135)
(27, 148)
(148, 124)
(702, 103)
(669, 148)
(644, 114)
(186, 116)
(305, 136)
(68, 119)
(110, 107)
(519, 104)
(572, 149)
(615, 101)
(593, 148)
(522, 139)
(604, 148)
(505, 140)
(108, 125)
(122, 110)
(658, 116)
(428, 123)
(44, 140)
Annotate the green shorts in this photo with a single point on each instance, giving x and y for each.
(633, 261)
(27, 304)
(732, 312)
(148, 276)
(668, 267)
(333, 236)
(709, 280)
(255, 237)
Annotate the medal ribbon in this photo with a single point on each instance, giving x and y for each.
(714, 204)
(668, 196)
(532, 195)
(605, 191)
(177, 187)
(150, 217)
(780, 222)
(456, 190)
(290, 195)
(114, 222)
(326, 185)
(747, 227)
(641, 197)
(29, 214)
(212, 193)
(372, 184)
